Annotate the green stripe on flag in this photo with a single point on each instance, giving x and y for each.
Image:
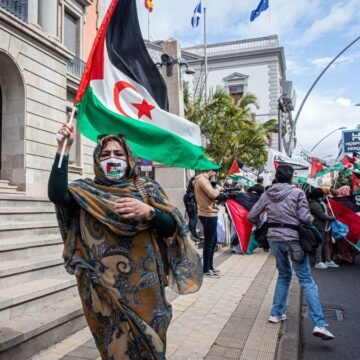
(300, 180)
(242, 180)
(146, 140)
(321, 173)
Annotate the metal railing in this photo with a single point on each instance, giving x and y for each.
(19, 8)
(76, 67)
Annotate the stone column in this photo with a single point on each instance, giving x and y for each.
(174, 84)
(48, 16)
(33, 12)
(173, 180)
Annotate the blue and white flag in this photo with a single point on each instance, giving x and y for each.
(263, 5)
(195, 20)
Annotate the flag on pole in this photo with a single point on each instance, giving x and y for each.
(347, 162)
(195, 20)
(263, 5)
(317, 170)
(149, 5)
(123, 92)
(235, 167)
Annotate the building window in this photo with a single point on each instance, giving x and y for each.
(72, 33)
(236, 91)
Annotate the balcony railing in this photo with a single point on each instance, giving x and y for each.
(19, 8)
(76, 67)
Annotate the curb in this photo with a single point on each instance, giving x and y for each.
(289, 344)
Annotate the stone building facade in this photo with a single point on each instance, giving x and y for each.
(41, 52)
(254, 65)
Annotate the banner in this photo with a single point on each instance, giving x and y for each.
(276, 158)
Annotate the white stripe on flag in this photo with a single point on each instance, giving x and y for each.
(104, 91)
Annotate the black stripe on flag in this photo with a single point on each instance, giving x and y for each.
(351, 202)
(127, 52)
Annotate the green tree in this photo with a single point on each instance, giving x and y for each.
(230, 128)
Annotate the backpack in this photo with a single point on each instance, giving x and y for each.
(190, 203)
(310, 238)
(189, 199)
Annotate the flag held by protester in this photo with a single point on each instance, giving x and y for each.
(235, 167)
(195, 20)
(263, 5)
(347, 209)
(122, 92)
(242, 225)
(317, 170)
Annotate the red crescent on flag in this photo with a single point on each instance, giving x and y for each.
(119, 87)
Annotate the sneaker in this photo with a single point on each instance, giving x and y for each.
(331, 264)
(211, 274)
(323, 332)
(274, 319)
(321, 265)
(216, 271)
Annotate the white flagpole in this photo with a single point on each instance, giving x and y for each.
(60, 137)
(148, 25)
(205, 54)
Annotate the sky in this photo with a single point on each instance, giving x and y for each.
(312, 33)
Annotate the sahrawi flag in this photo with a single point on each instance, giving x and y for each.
(122, 92)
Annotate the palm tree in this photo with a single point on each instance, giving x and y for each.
(230, 128)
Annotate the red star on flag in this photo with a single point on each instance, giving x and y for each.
(144, 109)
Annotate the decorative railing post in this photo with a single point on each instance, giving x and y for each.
(76, 67)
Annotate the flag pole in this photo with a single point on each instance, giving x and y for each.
(60, 137)
(148, 25)
(205, 54)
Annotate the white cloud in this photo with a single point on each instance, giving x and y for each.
(343, 101)
(319, 117)
(340, 16)
(324, 61)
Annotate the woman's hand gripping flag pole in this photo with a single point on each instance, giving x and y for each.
(60, 137)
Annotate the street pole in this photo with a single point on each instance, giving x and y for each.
(205, 54)
(318, 143)
(279, 126)
(310, 90)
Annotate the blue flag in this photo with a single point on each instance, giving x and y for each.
(195, 20)
(263, 5)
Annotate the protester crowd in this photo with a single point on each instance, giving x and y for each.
(289, 214)
(125, 241)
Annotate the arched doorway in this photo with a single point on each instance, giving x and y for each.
(12, 122)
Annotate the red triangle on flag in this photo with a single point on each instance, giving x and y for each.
(355, 181)
(347, 162)
(315, 166)
(235, 168)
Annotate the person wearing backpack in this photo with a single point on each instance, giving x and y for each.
(287, 205)
(321, 220)
(191, 209)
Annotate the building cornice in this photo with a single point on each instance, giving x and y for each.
(243, 55)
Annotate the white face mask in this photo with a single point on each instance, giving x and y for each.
(114, 168)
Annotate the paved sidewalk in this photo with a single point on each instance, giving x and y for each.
(226, 319)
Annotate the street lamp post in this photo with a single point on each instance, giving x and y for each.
(340, 128)
(292, 134)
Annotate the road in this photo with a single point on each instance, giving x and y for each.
(338, 289)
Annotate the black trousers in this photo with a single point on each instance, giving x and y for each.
(210, 240)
